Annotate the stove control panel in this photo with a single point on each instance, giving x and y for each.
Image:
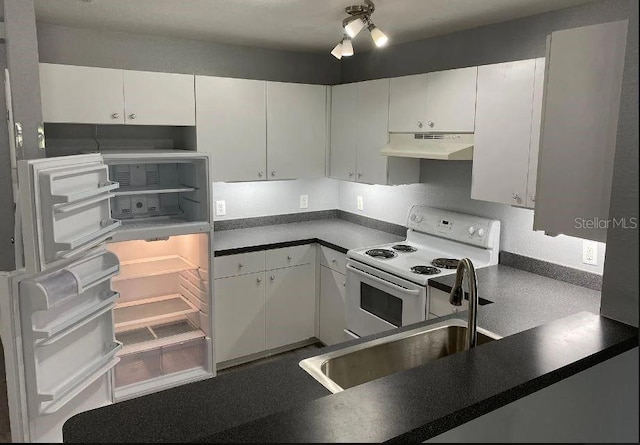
(469, 229)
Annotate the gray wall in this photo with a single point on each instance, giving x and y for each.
(7, 261)
(81, 46)
(513, 40)
(620, 281)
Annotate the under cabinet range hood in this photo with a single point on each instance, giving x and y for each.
(449, 146)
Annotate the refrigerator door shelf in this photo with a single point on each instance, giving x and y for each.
(65, 207)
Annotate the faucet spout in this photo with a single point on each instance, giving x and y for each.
(457, 295)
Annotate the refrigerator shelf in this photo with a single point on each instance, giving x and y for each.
(153, 337)
(145, 190)
(155, 266)
(151, 310)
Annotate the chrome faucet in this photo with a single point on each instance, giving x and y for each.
(457, 295)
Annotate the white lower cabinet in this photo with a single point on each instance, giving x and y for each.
(439, 305)
(290, 305)
(240, 322)
(332, 306)
(264, 300)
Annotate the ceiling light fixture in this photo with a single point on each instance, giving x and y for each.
(359, 18)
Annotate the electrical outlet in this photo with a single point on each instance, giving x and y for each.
(590, 252)
(360, 203)
(304, 201)
(221, 208)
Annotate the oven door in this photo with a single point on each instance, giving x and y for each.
(378, 301)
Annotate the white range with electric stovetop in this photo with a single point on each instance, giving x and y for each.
(387, 285)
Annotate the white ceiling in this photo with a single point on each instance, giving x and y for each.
(302, 25)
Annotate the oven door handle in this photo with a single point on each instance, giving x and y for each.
(384, 282)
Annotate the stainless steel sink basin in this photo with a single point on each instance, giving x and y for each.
(362, 363)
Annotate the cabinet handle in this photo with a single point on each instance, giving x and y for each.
(359, 175)
(273, 173)
(516, 197)
(350, 174)
(273, 277)
(533, 198)
(260, 174)
(259, 280)
(289, 257)
(333, 260)
(420, 124)
(240, 264)
(132, 116)
(430, 124)
(115, 115)
(344, 284)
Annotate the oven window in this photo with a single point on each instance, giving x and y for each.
(381, 304)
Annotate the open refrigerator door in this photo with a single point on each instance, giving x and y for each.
(57, 312)
(109, 304)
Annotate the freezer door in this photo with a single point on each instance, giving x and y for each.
(68, 340)
(65, 208)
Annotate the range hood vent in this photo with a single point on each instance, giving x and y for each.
(443, 146)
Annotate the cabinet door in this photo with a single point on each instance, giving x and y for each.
(536, 120)
(451, 100)
(408, 104)
(159, 98)
(503, 132)
(81, 94)
(344, 134)
(296, 130)
(290, 305)
(332, 306)
(579, 127)
(231, 125)
(239, 316)
(372, 131)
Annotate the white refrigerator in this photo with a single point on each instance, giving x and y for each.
(113, 300)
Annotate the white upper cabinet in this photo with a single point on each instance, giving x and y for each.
(296, 130)
(408, 104)
(579, 127)
(344, 121)
(372, 132)
(231, 125)
(507, 131)
(451, 100)
(359, 119)
(442, 101)
(158, 98)
(81, 94)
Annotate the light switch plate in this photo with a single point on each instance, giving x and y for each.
(304, 201)
(221, 208)
(590, 252)
(360, 203)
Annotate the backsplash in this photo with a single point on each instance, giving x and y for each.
(444, 184)
(447, 185)
(252, 199)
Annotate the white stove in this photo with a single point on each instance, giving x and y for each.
(387, 284)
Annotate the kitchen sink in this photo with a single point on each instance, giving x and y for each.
(371, 360)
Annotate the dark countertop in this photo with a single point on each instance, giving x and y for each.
(280, 402)
(336, 233)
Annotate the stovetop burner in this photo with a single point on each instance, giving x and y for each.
(425, 270)
(404, 248)
(445, 263)
(381, 253)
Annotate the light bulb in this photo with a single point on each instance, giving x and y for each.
(347, 47)
(379, 38)
(354, 26)
(337, 51)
